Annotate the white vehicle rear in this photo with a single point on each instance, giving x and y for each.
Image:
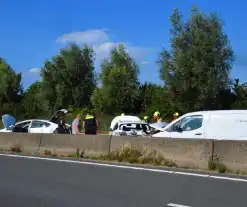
(121, 119)
(225, 124)
(135, 128)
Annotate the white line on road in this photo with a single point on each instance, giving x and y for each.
(127, 167)
(176, 205)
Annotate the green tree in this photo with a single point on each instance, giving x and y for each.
(69, 78)
(33, 103)
(11, 90)
(119, 91)
(155, 98)
(197, 67)
(239, 92)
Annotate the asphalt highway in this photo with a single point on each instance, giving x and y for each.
(31, 182)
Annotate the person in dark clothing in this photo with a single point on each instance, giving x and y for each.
(60, 121)
(90, 124)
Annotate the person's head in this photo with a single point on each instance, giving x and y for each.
(122, 114)
(156, 114)
(176, 114)
(145, 118)
(78, 116)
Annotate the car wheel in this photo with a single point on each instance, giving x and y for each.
(55, 132)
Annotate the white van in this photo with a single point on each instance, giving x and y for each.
(225, 124)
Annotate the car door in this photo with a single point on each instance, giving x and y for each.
(38, 127)
(22, 127)
(192, 127)
(172, 130)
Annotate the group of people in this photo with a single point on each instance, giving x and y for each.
(157, 118)
(89, 124)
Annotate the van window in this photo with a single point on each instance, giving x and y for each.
(191, 123)
(188, 123)
(173, 127)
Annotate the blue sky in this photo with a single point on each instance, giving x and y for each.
(32, 31)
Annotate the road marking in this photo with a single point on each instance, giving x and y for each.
(127, 167)
(176, 205)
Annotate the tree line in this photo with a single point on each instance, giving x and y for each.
(195, 72)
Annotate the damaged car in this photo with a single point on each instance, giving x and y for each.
(56, 124)
(129, 126)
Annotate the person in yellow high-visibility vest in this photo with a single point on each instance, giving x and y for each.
(175, 116)
(90, 124)
(156, 117)
(122, 114)
(146, 119)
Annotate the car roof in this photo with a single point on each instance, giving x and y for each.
(217, 112)
(29, 120)
(132, 122)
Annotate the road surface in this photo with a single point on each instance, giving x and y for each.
(33, 182)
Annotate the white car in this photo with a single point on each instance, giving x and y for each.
(128, 126)
(33, 125)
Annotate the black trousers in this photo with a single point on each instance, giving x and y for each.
(90, 132)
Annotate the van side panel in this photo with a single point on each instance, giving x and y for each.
(227, 126)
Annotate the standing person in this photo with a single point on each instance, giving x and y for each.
(156, 117)
(146, 119)
(90, 124)
(76, 126)
(175, 116)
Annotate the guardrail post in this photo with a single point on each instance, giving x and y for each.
(212, 153)
(109, 150)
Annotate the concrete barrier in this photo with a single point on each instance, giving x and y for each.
(94, 145)
(191, 153)
(29, 143)
(64, 144)
(61, 144)
(231, 153)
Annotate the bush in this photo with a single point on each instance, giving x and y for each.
(47, 152)
(211, 165)
(216, 165)
(133, 154)
(16, 148)
(221, 168)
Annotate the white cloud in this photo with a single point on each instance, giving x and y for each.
(103, 50)
(34, 70)
(145, 63)
(100, 41)
(88, 37)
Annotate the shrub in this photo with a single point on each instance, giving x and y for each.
(72, 155)
(211, 165)
(216, 165)
(133, 154)
(221, 168)
(16, 148)
(47, 152)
